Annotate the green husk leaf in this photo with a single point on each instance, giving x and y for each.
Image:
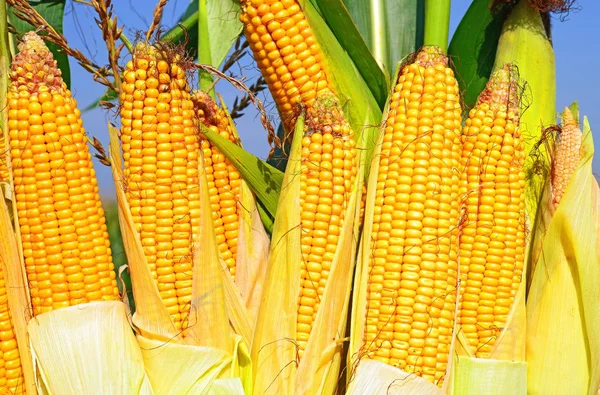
(53, 12)
(474, 376)
(564, 292)
(264, 180)
(340, 22)
(222, 23)
(473, 48)
(360, 106)
(524, 43)
(437, 23)
(378, 22)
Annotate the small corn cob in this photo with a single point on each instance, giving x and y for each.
(287, 53)
(223, 179)
(413, 266)
(11, 376)
(492, 242)
(161, 153)
(568, 154)
(328, 171)
(63, 229)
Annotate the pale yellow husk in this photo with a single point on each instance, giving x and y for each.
(378, 378)
(563, 347)
(274, 354)
(219, 325)
(87, 349)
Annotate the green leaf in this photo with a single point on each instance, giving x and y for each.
(340, 22)
(264, 180)
(52, 11)
(108, 96)
(223, 25)
(391, 28)
(473, 48)
(117, 250)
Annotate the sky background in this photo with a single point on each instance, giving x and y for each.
(576, 43)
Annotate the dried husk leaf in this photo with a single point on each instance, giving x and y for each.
(563, 319)
(87, 349)
(218, 319)
(377, 378)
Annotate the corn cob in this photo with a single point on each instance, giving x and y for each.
(161, 153)
(567, 156)
(413, 264)
(11, 376)
(492, 242)
(223, 179)
(63, 229)
(286, 52)
(328, 171)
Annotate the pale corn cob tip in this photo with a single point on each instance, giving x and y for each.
(34, 66)
(431, 55)
(326, 116)
(568, 154)
(501, 92)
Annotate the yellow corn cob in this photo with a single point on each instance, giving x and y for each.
(161, 153)
(287, 53)
(413, 264)
(11, 376)
(492, 242)
(223, 179)
(63, 229)
(568, 154)
(328, 171)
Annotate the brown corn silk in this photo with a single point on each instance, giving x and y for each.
(328, 171)
(224, 181)
(492, 241)
(287, 54)
(161, 152)
(412, 252)
(62, 225)
(567, 156)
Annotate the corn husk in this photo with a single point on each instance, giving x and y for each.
(253, 244)
(87, 349)
(276, 368)
(525, 44)
(219, 325)
(563, 348)
(17, 292)
(377, 378)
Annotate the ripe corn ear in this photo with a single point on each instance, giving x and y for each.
(406, 285)
(287, 53)
(567, 155)
(327, 175)
(62, 225)
(224, 180)
(161, 153)
(492, 240)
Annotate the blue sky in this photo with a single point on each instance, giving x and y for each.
(576, 44)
